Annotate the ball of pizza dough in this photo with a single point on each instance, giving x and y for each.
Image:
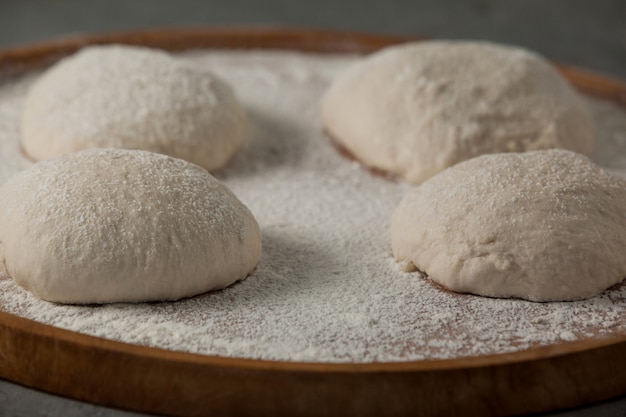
(415, 109)
(542, 226)
(115, 225)
(134, 98)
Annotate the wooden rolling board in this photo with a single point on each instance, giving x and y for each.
(182, 384)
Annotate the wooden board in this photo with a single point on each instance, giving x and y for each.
(180, 384)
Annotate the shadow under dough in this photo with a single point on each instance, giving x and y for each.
(292, 263)
(610, 123)
(271, 142)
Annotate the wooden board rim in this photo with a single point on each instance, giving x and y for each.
(42, 330)
(16, 332)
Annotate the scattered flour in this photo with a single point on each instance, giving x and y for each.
(326, 289)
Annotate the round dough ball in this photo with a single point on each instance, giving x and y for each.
(114, 225)
(543, 226)
(418, 108)
(133, 98)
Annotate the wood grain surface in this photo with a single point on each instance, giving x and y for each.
(180, 384)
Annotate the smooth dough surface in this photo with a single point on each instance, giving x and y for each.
(415, 109)
(134, 98)
(542, 225)
(114, 225)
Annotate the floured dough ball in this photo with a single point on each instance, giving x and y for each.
(115, 225)
(543, 226)
(418, 108)
(134, 98)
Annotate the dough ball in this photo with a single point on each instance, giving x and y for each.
(418, 108)
(543, 226)
(132, 98)
(114, 225)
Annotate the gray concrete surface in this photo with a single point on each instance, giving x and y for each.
(591, 34)
(582, 32)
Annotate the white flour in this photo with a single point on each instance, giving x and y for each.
(326, 289)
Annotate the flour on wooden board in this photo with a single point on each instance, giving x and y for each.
(327, 288)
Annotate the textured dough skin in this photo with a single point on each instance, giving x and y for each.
(415, 109)
(133, 98)
(542, 226)
(102, 226)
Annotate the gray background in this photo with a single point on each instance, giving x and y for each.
(591, 34)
